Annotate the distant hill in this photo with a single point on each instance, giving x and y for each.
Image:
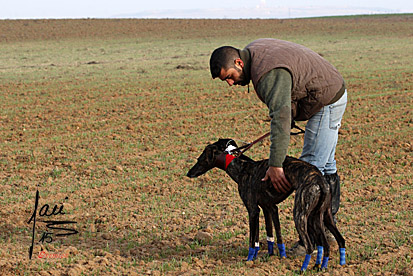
(263, 12)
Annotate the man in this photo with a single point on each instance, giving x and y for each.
(296, 84)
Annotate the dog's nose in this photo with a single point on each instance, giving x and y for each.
(193, 173)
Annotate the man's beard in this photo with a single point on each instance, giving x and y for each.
(242, 78)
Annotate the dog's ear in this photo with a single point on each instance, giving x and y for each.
(211, 150)
(224, 143)
(208, 156)
(232, 143)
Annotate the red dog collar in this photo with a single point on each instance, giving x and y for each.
(228, 160)
(223, 160)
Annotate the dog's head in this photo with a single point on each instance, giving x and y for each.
(208, 159)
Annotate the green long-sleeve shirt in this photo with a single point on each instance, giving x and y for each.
(275, 90)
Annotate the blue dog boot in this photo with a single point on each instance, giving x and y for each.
(320, 250)
(270, 248)
(251, 254)
(306, 262)
(325, 263)
(257, 248)
(270, 242)
(342, 256)
(281, 249)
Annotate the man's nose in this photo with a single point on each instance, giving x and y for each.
(230, 82)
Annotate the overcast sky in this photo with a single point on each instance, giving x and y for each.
(25, 9)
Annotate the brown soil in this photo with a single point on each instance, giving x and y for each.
(123, 168)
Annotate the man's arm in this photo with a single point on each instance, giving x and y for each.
(275, 88)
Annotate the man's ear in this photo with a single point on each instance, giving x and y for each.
(239, 63)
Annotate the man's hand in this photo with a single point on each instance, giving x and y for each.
(278, 179)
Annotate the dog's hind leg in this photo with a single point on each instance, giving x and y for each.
(320, 239)
(300, 220)
(306, 200)
(331, 226)
(254, 246)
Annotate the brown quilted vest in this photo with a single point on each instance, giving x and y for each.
(315, 81)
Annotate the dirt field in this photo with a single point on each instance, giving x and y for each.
(105, 117)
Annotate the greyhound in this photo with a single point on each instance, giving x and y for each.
(312, 203)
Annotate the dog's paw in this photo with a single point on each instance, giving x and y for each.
(324, 264)
(257, 248)
(281, 249)
(306, 262)
(270, 248)
(251, 254)
(342, 256)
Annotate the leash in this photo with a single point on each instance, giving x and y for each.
(240, 150)
(293, 125)
(244, 148)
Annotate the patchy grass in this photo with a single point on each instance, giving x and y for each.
(112, 114)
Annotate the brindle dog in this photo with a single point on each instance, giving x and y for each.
(312, 203)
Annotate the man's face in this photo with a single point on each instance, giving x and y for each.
(234, 75)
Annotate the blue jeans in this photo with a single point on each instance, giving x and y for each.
(321, 134)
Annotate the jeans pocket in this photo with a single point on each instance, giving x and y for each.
(335, 119)
(336, 113)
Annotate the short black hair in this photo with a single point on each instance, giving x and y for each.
(222, 57)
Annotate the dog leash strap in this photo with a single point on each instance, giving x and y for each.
(246, 147)
(293, 125)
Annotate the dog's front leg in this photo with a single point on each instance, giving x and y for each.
(268, 228)
(254, 246)
(277, 226)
